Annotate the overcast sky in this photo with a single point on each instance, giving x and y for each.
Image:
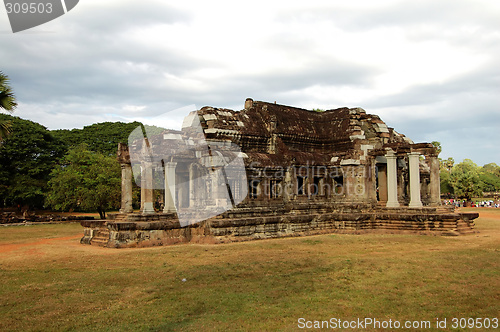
(430, 69)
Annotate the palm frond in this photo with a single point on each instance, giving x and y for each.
(5, 129)
(7, 97)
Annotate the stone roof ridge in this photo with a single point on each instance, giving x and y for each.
(258, 102)
(310, 111)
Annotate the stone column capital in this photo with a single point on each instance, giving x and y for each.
(391, 156)
(170, 164)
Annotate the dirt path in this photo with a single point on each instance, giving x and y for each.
(10, 247)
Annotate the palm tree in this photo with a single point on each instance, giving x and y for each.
(7, 103)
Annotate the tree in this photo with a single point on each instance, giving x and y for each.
(491, 168)
(489, 175)
(85, 181)
(7, 103)
(101, 137)
(27, 157)
(437, 145)
(447, 164)
(465, 180)
(446, 187)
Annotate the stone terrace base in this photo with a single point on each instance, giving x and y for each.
(243, 224)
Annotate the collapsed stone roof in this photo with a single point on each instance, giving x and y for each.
(270, 134)
(279, 134)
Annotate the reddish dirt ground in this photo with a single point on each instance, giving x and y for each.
(10, 247)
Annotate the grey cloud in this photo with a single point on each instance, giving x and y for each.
(474, 85)
(476, 143)
(59, 71)
(320, 71)
(112, 19)
(404, 13)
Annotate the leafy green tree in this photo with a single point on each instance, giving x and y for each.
(7, 103)
(85, 181)
(437, 145)
(101, 137)
(489, 175)
(491, 168)
(27, 157)
(446, 187)
(447, 164)
(465, 180)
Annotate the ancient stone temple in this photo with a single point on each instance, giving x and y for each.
(272, 170)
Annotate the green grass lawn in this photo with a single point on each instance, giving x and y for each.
(58, 284)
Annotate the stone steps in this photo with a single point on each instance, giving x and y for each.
(101, 242)
(100, 237)
(120, 217)
(464, 228)
(444, 210)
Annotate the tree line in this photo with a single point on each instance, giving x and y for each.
(466, 180)
(61, 169)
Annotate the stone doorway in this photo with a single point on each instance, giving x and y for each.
(381, 176)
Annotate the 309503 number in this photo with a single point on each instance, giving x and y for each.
(472, 323)
(31, 7)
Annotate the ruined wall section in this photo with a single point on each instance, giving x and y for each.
(296, 135)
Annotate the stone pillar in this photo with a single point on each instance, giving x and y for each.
(371, 181)
(169, 168)
(413, 163)
(193, 186)
(126, 206)
(435, 183)
(219, 188)
(288, 185)
(392, 180)
(147, 206)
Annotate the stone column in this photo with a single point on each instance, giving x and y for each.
(371, 181)
(170, 187)
(147, 188)
(435, 183)
(413, 163)
(126, 206)
(392, 180)
(219, 188)
(288, 185)
(193, 186)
